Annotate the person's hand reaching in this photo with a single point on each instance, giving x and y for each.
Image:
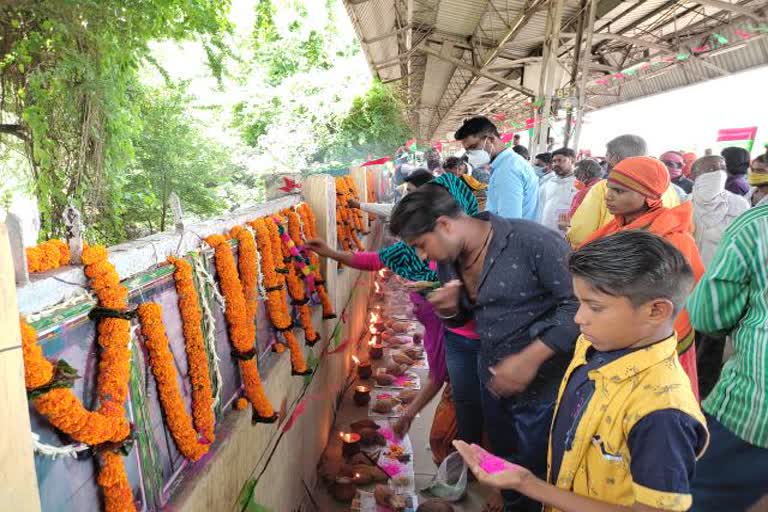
(491, 470)
(352, 203)
(319, 246)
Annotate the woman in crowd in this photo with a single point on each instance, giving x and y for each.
(635, 186)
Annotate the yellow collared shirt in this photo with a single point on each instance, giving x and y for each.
(627, 390)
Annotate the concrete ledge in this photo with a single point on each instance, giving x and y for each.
(131, 258)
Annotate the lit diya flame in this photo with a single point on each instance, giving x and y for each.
(381, 273)
(372, 342)
(356, 360)
(378, 287)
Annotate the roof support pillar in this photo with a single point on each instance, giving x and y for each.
(586, 60)
(549, 71)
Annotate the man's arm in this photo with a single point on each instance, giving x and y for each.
(509, 194)
(379, 209)
(549, 258)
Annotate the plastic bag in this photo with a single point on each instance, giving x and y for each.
(450, 483)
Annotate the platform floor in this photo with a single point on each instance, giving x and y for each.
(424, 468)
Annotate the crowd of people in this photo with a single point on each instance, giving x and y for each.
(602, 325)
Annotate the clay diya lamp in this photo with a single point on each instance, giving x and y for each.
(375, 350)
(364, 370)
(350, 444)
(362, 396)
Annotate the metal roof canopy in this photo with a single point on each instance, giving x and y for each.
(517, 59)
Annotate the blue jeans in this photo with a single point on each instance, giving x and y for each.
(732, 475)
(462, 356)
(517, 431)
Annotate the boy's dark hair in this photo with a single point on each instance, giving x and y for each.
(522, 151)
(416, 213)
(453, 162)
(566, 152)
(544, 157)
(419, 177)
(634, 264)
(478, 125)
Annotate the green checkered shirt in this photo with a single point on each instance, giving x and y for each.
(732, 297)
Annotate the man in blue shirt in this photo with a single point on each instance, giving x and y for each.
(513, 191)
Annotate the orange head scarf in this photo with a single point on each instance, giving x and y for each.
(688, 158)
(644, 175)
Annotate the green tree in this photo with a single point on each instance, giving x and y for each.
(65, 73)
(375, 125)
(171, 156)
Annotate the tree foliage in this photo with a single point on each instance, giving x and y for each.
(171, 155)
(308, 100)
(65, 73)
(375, 125)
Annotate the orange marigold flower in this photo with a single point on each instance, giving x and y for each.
(194, 345)
(164, 369)
(241, 336)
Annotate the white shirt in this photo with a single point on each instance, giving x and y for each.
(555, 198)
(379, 209)
(714, 208)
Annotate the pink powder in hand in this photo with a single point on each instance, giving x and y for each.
(392, 469)
(492, 464)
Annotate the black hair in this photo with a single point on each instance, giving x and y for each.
(544, 157)
(453, 162)
(419, 177)
(634, 264)
(416, 213)
(736, 160)
(522, 151)
(567, 152)
(478, 125)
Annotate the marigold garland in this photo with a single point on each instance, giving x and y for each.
(277, 304)
(310, 226)
(241, 336)
(47, 256)
(357, 214)
(194, 345)
(295, 283)
(164, 369)
(114, 369)
(371, 193)
(59, 405)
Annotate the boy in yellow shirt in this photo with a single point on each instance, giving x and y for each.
(627, 429)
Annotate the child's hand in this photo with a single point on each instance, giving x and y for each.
(492, 470)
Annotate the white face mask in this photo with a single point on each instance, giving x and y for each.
(709, 185)
(478, 158)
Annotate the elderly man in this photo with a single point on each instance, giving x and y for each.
(593, 212)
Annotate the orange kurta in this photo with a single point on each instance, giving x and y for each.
(675, 225)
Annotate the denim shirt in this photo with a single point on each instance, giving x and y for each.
(525, 292)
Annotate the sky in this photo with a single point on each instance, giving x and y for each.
(687, 118)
